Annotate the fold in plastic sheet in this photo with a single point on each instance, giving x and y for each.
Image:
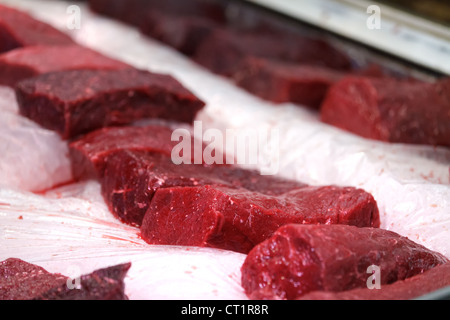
(71, 226)
(70, 231)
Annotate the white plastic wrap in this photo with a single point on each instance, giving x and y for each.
(71, 226)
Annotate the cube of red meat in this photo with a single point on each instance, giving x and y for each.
(283, 82)
(89, 154)
(18, 29)
(27, 62)
(131, 179)
(299, 259)
(415, 287)
(390, 110)
(77, 102)
(20, 280)
(238, 219)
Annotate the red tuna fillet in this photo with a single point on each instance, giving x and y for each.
(224, 50)
(20, 280)
(283, 82)
(77, 102)
(90, 153)
(412, 288)
(238, 219)
(299, 259)
(18, 29)
(22, 63)
(389, 110)
(131, 179)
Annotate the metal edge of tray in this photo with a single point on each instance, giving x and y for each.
(410, 38)
(442, 294)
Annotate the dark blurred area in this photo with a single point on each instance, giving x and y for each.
(222, 34)
(434, 10)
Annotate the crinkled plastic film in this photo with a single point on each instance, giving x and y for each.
(70, 230)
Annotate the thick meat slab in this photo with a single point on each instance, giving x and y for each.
(80, 101)
(18, 29)
(282, 82)
(299, 259)
(389, 110)
(22, 63)
(89, 153)
(223, 51)
(238, 219)
(131, 179)
(20, 280)
(412, 288)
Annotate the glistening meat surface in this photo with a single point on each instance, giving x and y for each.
(131, 179)
(239, 219)
(412, 288)
(299, 259)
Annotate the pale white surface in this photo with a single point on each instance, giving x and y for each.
(31, 158)
(71, 226)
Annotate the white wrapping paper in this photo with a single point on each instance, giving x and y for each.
(69, 229)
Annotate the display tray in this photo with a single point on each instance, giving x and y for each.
(66, 227)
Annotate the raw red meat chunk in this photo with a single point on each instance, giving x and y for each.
(22, 63)
(299, 259)
(239, 219)
(90, 153)
(20, 280)
(283, 82)
(131, 179)
(18, 29)
(390, 110)
(135, 12)
(224, 50)
(412, 288)
(76, 102)
(183, 33)
(103, 284)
